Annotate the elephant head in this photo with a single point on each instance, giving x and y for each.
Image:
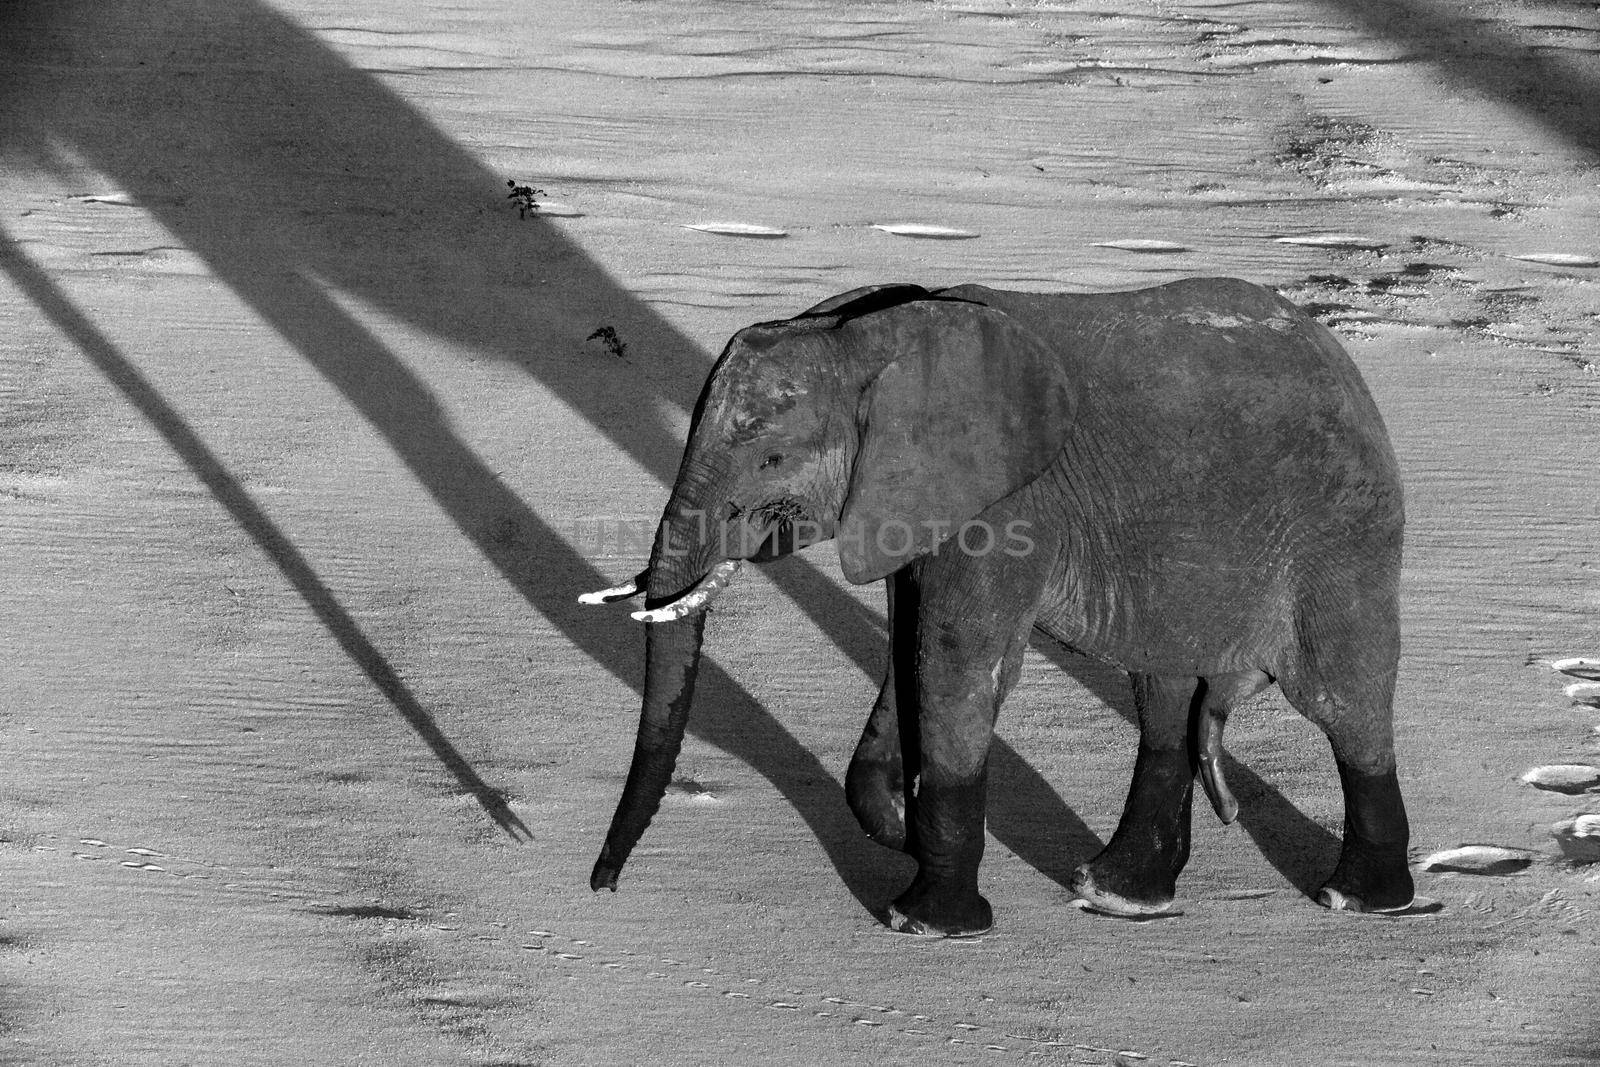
(885, 419)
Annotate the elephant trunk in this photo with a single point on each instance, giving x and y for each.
(672, 661)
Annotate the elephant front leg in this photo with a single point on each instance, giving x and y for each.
(875, 784)
(1135, 876)
(963, 677)
(947, 818)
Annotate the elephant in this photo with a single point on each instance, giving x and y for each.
(1190, 482)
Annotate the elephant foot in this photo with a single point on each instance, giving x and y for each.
(1370, 878)
(930, 913)
(1334, 900)
(877, 798)
(1091, 895)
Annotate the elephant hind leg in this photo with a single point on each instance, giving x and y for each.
(1346, 687)
(1180, 732)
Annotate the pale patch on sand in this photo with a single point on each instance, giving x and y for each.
(923, 229)
(737, 229)
(1143, 244)
(1478, 859)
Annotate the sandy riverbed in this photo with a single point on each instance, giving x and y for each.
(307, 452)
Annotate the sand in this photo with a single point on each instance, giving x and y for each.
(310, 443)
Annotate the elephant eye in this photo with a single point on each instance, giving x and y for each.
(772, 460)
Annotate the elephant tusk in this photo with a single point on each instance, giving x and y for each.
(696, 599)
(1210, 753)
(627, 589)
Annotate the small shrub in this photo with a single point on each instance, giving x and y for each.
(607, 336)
(525, 197)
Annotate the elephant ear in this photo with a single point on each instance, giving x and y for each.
(970, 407)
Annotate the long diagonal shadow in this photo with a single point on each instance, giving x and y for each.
(533, 556)
(214, 475)
(293, 174)
(210, 166)
(1469, 51)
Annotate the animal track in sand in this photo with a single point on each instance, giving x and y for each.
(695, 792)
(181, 868)
(1323, 149)
(1334, 240)
(1559, 259)
(1570, 778)
(1434, 294)
(756, 992)
(1357, 161)
(1584, 693)
(924, 230)
(1578, 837)
(1577, 667)
(1478, 859)
(736, 229)
(555, 209)
(1143, 244)
(141, 864)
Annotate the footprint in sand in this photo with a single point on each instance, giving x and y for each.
(737, 229)
(695, 792)
(1578, 667)
(1335, 240)
(1478, 859)
(1143, 245)
(1579, 838)
(1559, 259)
(925, 231)
(1584, 693)
(1570, 778)
(1585, 667)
